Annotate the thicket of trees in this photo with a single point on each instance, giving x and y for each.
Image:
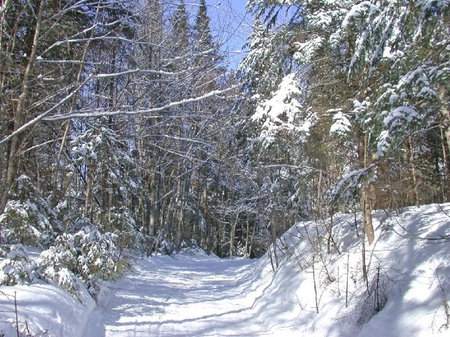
(114, 116)
(111, 109)
(119, 119)
(355, 107)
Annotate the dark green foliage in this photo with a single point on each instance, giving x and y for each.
(88, 254)
(28, 218)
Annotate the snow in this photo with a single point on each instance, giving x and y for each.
(307, 51)
(321, 20)
(43, 309)
(383, 143)
(192, 294)
(341, 124)
(282, 112)
(399, 115)
(358, 11)
(432, 5)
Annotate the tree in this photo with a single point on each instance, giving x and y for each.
(129, 104)
(207, 60)
(369, 81)
(46, 34)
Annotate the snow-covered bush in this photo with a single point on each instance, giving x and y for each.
(16, 267)
(121, 222)
(28, 218)
(191, 249)
(166, 248)
(88, 254)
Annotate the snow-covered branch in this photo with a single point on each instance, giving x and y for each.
(136, 71)
(45, 113)
(102, 113)
(182, 139)
(104, 38)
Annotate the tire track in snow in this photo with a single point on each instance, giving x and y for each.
(184, 296)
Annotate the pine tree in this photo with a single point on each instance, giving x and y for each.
(207, 57)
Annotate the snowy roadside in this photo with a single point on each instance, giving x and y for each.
(198, 295)
(43, 310)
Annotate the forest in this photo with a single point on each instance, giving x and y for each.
(123, 131)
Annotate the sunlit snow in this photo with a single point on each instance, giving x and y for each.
(282, 111)
(192, 294)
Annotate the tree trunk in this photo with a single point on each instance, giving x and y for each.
(330, 234)
(232, 235)
(414, 172)
(319, 196)
(180, 201)
(366, 205)
(247, 234)
(87, 196)
(20, 114)
(445, 112)
(273, 233)
(367, 189)
(446, 168)
(363, 256)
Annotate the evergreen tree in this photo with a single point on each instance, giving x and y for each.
(207, 60)
(369, 71)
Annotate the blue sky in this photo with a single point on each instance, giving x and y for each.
(231, 25)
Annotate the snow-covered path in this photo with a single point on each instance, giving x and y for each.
(187, 296)
(197, 295)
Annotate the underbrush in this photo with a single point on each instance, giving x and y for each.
(82, 259)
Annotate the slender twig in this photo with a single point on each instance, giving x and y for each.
(445, 304)
(17, 314)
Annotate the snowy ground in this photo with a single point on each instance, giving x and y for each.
(190, 296)
(198, 295)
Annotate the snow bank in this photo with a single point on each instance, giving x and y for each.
(43, 310)
(408, 275)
